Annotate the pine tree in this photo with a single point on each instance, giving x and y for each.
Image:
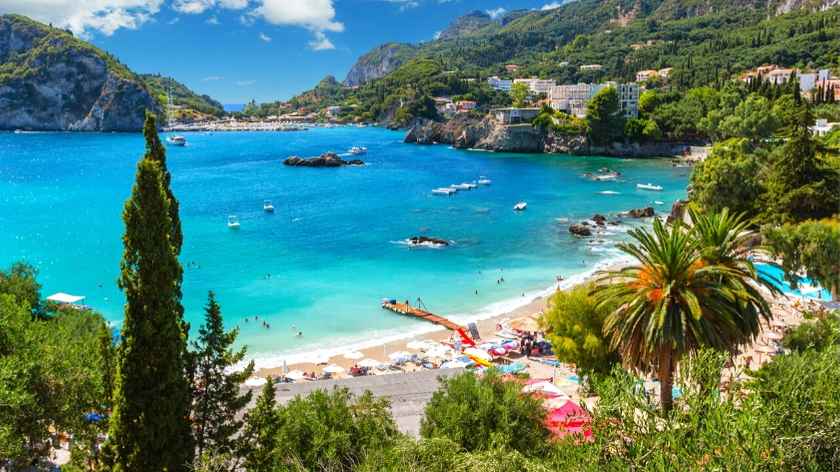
(261, 432)
(156, 152)
(216, 398)
(149, 427)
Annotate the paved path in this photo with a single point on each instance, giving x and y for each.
(408, 393)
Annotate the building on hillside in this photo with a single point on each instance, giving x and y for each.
(563, 63)
(445, 106)
(573, 98)
(591, 67)
(823, 127)
(537, 86)
(503, 85)
(333, 111)
(647, 74)
(665, 73)
(511, 68)
(512, 116)
(779, 75)
(464, 106)
(831, 84)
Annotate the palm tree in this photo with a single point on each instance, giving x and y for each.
(675, 300)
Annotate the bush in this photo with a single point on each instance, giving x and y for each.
(819, 333)
(485, 413)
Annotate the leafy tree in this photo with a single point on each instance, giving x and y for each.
(484, 413)
(604, 117)
(332, 430)
(753, 118)
(575, 324)
(519, 94)
(260, 432)
(802, 183)
(20, 280)
(675, 301)
(812, 247)
(819, 332)
(149, 428)
(216, 398)
(729, 177)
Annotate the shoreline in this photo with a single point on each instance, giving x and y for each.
(378, 347)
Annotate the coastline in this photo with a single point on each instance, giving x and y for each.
(378, 347)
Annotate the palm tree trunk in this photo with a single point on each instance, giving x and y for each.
(666, 379)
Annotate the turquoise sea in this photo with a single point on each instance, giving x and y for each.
(333, 249)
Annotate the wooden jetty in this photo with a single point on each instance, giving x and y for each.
(408, 310)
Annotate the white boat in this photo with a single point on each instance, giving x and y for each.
(649, 186)
(233, 222)
(177, 140)
(521, 206)
(658, 202)
(357, 150)
(463, 186)
(268, 207)
(444, 191)
(484, 181)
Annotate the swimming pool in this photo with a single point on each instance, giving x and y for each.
(806, 287)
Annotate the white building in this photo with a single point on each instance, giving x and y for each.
(333, 111)
(500, 84)
(512, 116)
(591, 67)
(823, 127)
(537, 86)
(573, 98)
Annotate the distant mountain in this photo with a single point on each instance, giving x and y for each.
(379, 62)
(189, 103)
(50, 80)
(471, 23)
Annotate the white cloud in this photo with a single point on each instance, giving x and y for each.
(318, 16)
(83, 17)
(194, 7)
(213, 78)
(265, 37)
(405, 4)
(496, 13)
(245, 83)
(551, 6)
(212, 20)
(437, 34)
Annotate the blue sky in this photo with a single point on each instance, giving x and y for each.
(236, 50)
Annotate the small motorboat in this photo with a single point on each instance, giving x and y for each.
(658, 202)
(461, 186)
(649, 186)
(606, 177)
(521, 206)
(357, 150)
(177, 140)
(484, 181)
(444, 191)
(268, 207)
(233, 222)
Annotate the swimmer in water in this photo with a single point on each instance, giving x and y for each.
(299, 334)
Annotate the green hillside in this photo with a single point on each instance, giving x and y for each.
(182, 96)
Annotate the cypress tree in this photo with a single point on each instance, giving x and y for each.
(261, 432)
(216, 398)
(156, 152)
(149, 427)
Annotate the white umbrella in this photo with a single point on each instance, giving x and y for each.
(417, 345)
(543, 387)
(333, 369)
(369, 363)
(399, 356)
(295, 375)
(255, 382)
(353, 355)
(321, 359)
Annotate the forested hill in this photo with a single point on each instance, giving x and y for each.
(705, 41)
(189, 104)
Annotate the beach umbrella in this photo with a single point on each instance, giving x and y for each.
(369, 363)
(543, 387)
(255, 382)
(417, 345)
(295, 375)
(333, 369)
(479, 353)
(400, 356)
(555, 402)
(321, 358)
(526, 323)
(353, 355)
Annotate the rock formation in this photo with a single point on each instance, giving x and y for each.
(427, 241)
(327, 159)
(580, 230)
(647, 212)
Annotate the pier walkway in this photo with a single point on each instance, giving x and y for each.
(408, 310)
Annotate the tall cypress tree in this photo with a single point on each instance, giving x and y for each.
(149, 427)
(156, 152)
(259, 436)
(216, 398)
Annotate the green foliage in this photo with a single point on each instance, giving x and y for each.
(730, 177)
(216, 398)
(182, 97)
(558, 122)
(20, 281)
(485, 413)
(519, 93)
(820, 331)
(812, 247)
(259, 436)
(575, 323)
(603, 116)
(753, 118)
(331, 430)
(152, 362)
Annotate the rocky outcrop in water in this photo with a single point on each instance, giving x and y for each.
(465, 132)
(647, 212)
(52, 81)
(579, 229)
(327, 159)
(427, 241)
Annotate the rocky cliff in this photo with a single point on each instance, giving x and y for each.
(50, 80)
(466, 25)
(379, 62)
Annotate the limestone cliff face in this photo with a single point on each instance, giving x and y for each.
(50, 80)
(379, 62)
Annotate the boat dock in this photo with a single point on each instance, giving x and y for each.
(408, 310)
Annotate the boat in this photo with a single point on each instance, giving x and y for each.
(177, 140)
(357, 150)
(444, 191)
(233, 222)
(649, 186)
(484, 181)
(658, 202)
(521, 206)
(463, 186)
(268, 207)
(606, 177)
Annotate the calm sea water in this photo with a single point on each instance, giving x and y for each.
(333, 249)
